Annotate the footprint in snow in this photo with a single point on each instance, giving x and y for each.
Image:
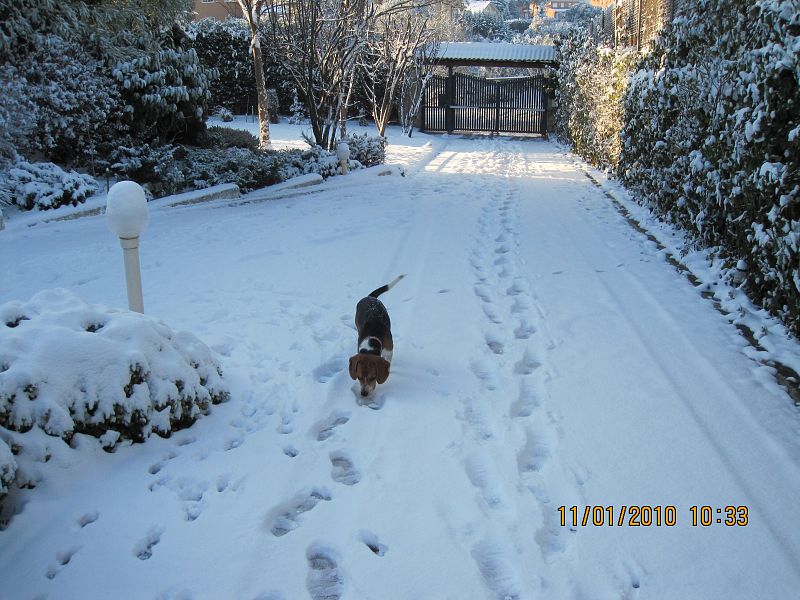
(491, 313)
(62, 560)
(494, 343)
(485, 373)
(483, 477)
(342, 470)
(521, 305)
(144, 549)
(482, 292)
(552, 537)
(284, 518)
(156, 467)
(497, 566)
(524, 331)
(538, 448)
(501, 260)
(375, 400)
(519, 286)
(328, 370)
(526, 402)
(232, 443)
(325, 580)
(88, 518)
(286, 426)
(370, 540)
(528, 364)
(325, 429)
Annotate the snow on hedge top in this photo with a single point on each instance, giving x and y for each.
(70, 367)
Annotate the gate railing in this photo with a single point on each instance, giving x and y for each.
(466, 103)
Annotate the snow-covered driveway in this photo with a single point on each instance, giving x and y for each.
(546, 356)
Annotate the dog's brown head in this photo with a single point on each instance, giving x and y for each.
(369, 370)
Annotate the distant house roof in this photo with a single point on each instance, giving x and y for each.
(495, 54)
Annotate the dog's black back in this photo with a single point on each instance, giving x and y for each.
(372, 318)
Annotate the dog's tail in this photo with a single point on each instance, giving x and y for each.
(387, 287)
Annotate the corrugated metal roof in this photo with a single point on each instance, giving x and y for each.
(488, 51)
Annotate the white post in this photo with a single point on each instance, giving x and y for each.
(343, 154)
(126, 215)
(133, 274)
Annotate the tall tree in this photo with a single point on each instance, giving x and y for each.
(396, 48)
(253, 10)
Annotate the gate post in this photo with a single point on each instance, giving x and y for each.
(497, 107)
(450, 114)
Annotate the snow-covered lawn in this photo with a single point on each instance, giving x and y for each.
(546, 356)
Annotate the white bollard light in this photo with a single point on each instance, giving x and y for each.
(126, 215)
(343, 154)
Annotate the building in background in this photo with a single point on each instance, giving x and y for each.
(487, 9)
(216, 9)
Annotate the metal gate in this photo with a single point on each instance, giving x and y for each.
(466, 103)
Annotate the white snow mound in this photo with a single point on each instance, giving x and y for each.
(70, 367)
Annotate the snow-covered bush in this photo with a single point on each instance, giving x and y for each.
(298, 113)
(366, 149)
(223, 114)
(711, 138)
(485, 27)
(8, 467)
(166, 92)
(45, 186)
(153, 167)
(246, 168)
(68, 367)
(313, 160)
(227, 137)
(77, 104)
(519, 25)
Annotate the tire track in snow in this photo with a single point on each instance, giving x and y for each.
(705, 421)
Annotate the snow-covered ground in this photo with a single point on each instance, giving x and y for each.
(546, 356)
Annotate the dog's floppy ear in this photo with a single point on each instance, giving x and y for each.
(353, 363)
(383, 370)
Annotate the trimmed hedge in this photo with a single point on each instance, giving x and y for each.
(712, 138)
(704, 128)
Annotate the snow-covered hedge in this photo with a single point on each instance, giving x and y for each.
(164, 170)
(224, 46)
(712, 138)
(45, 186)
(87, 73)
(17, 115)
(68, 367)
(591, 84)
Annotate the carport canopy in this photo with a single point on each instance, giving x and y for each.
(490, 54)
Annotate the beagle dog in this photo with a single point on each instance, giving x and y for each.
(375, 346)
